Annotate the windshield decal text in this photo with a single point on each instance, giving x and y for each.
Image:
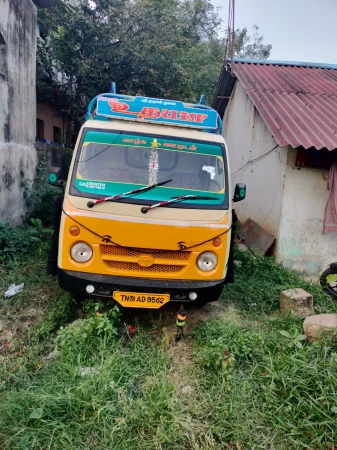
(92, 185)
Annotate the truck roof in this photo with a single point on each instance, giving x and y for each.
(149, 128)
(139, 109)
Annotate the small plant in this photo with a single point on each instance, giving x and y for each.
(212, 354)
(101, 324)
(26, 184)
(14, 241)
(39, 233)
(218, 337)
(39, 229)
(294, 338)
(246, 344)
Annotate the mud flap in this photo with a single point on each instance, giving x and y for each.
(230, 269)
(53, 252)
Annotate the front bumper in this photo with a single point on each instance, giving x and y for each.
(105, 285)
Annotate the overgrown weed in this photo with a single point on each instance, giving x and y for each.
(259, 281)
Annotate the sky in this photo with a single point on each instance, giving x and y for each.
(298, 30)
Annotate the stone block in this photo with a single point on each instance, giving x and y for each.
(298, 301)
(314, 326)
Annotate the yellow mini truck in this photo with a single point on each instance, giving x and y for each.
(147, 210)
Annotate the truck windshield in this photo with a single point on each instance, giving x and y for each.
(110, 163)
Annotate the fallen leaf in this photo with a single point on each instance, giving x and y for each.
(36, 414)
(238, 446)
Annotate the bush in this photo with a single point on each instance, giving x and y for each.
(40, 196)
(259, 281)
(22, 239)
(14, 241)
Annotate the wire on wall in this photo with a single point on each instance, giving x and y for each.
(251, 161)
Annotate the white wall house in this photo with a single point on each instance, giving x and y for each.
(279, 122)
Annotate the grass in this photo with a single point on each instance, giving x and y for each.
(148, 393)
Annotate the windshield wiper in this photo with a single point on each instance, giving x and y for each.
(182, 198)
(127, 194)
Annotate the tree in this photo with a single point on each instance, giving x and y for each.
(251, 47)
(157, 48)
(140, 44)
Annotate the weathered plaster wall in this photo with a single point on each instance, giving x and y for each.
(18, 103)
(256, 160)
(301, 243)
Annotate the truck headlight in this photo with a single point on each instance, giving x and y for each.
(207, 261)
(81, 252)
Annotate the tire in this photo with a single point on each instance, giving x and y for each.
(325, 285)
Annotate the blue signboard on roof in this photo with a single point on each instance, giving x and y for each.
(168, 112)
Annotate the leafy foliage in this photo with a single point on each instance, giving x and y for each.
(85, 330)
(157, 48)
(252, 47)
(294, 337)
(217, 339)
(40, 196)
(259, 281)
(102, 392)
(22, 240)
(280, 394)
(14, 241)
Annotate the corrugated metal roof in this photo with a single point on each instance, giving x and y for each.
(297, 103)
(224, 90)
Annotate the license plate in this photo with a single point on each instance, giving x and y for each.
(140, 300)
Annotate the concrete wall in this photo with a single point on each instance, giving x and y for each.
(18, 103)
(50, 117)
(249, 141)
(301, 243)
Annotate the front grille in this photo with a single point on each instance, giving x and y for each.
(114, 250)
(134, 267)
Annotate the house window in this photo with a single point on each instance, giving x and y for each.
(39, 129)
(319, 159)
(57, 135)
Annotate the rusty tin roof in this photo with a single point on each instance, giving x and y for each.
(297, 101)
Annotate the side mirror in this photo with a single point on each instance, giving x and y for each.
(239, 192)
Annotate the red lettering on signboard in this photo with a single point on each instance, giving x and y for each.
(118, 106)
(170, 114)
(149, 113)
(155, 113)
(199, 118)
(185, 116)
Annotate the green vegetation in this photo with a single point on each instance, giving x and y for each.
(71, 378)
(157, 48)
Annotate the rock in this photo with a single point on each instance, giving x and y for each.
(33, 312)
(187, 390)
(256, 238)
(52, 355)
(298, 301)
(84, 371)
(6, 336)
(238, 263)
(242, 247)
(314, 326)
